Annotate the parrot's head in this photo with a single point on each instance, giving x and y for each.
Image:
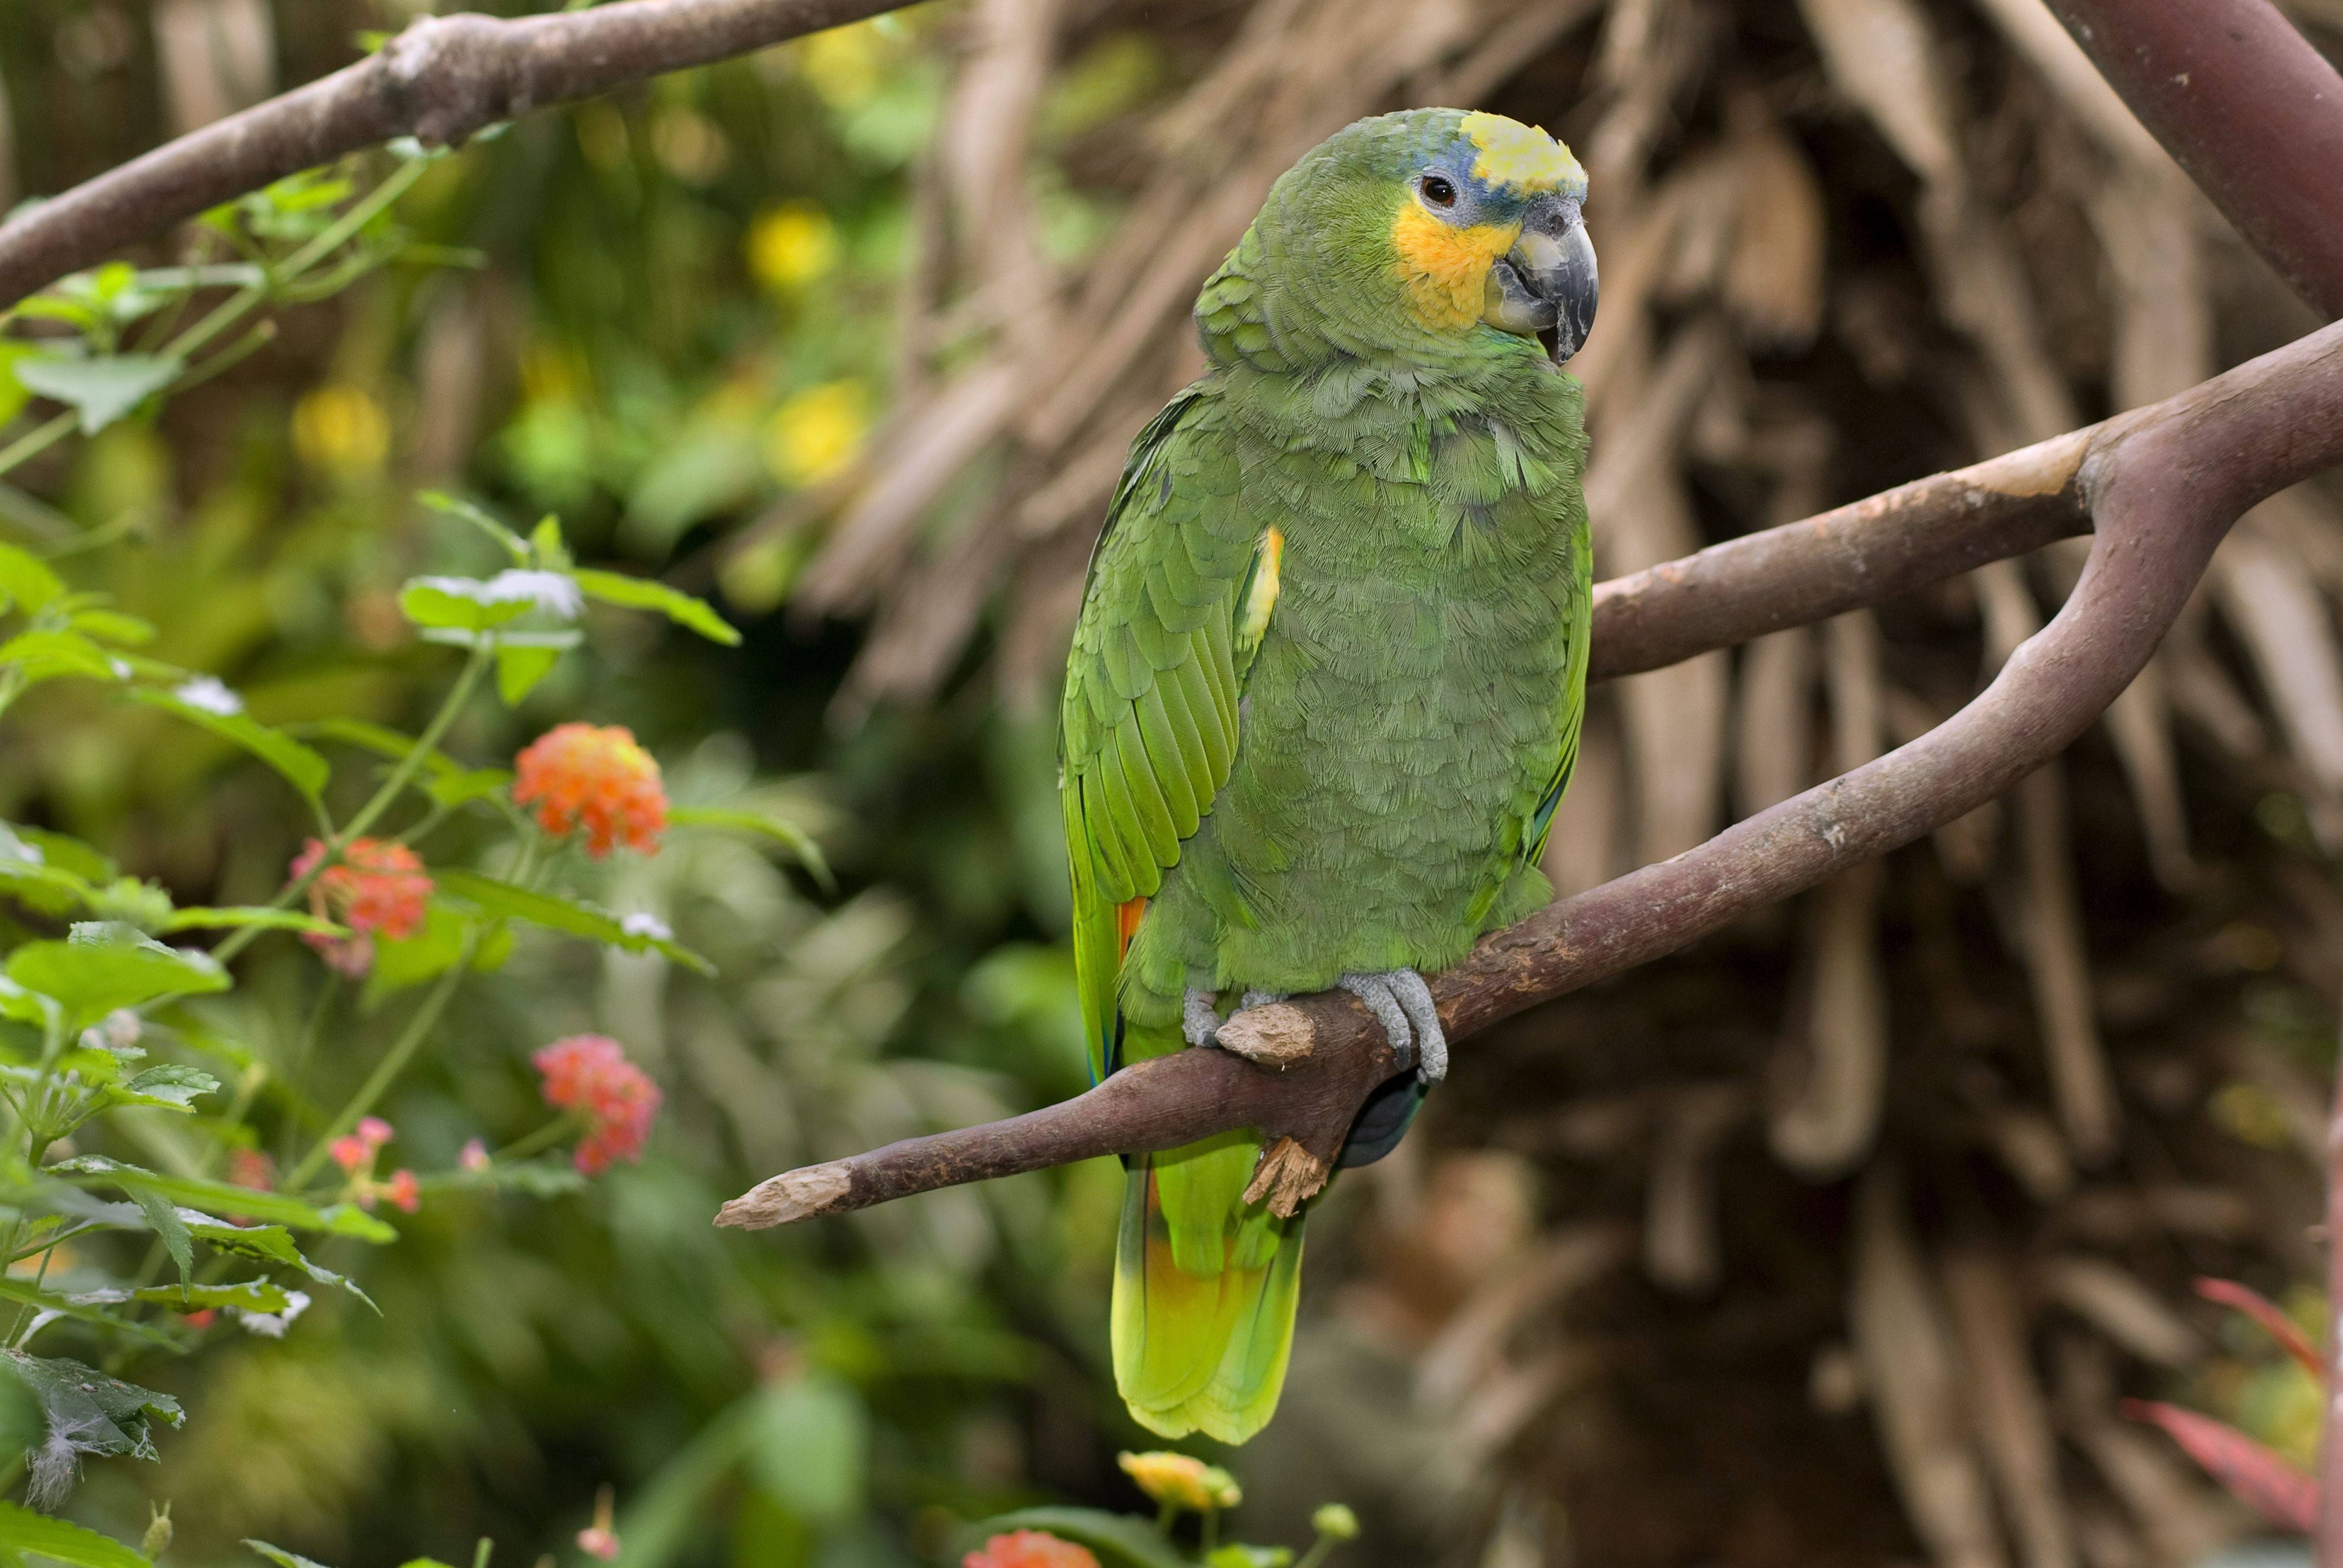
(1437, 221)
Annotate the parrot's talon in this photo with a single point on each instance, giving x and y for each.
(1259, 999)
(1431, 1040)
(1403, 1004)
(1199, 1018)
(1375, 991)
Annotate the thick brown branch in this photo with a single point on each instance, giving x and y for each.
(2251, 110)
(2162, 485)
(442, 79)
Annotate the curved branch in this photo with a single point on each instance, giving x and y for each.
(443, 79)
(2162, 485)
(2245, 103)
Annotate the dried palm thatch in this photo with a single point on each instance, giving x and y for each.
(1920, 1169)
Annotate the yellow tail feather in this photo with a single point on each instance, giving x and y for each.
(1204, 1293)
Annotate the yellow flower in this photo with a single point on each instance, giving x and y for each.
(815, 433)
(1176, 1481)
(341, 430)
(792, 245)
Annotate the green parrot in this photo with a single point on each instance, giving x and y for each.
(1325, 687)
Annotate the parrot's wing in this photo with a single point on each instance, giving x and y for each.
(1573, 715)
(1147, 730)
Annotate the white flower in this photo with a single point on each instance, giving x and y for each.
(272, 1325)
(121, 667)
(651, 926)
(211, 694)
(556, 593)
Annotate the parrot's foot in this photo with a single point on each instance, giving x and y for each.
(1199, 1020)
(1402, 1003)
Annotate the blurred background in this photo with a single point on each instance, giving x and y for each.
(1835, 1239)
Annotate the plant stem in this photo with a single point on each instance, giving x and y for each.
(425, 744)
(36, 441)
(545, 1137)
(394, 1061)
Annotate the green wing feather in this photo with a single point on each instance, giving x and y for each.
(1573, 713)
(1178, 596)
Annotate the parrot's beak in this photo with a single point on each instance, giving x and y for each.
(1545, 286)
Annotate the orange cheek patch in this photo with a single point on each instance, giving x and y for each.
(1446, 270)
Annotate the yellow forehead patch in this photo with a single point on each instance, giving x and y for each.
(1521, 156)
(1446, 268)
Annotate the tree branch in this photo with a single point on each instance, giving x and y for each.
(2162, 485)
(443, 79)
(2245, 103)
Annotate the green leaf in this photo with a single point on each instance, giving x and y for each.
(103, 966)
(22, 1530)
(222, 1197)
(518, 669)
(101, 389)
(564, 915)
(89, 1412)
(644, 593)
(244, 1295)
(449, 782)
(169, 1086)
(546, 545)
(89, 1308)
(282, 1558)
(45, 655)
(460, 604)
(69, 854)
(27, 581)
(113, 626)
(267, 1245)
(163, 1218)
(302, 768)
(810, 1448)
(200, 916)
(1120, 1540)
(782, 832)
(428, 953)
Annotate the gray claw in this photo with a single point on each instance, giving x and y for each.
(1375, 991)
(1431, 1040)
(1199, 1018)
(1259, 999)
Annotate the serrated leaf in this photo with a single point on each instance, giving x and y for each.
(780, 830)
(645, 593)
(225, 1198)
(93, 1413)
(564, 915)
(1120, 1540)
(88, 1307)
(161, 1217)
(302, 768)
(61, 1541)
(26, 582)
(243, 1295)
(519, 671)
(169, 1086)
(101, 389)
(267, 1245)
(105, 967)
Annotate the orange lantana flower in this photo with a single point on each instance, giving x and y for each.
(376, 887)
(1029, 1549)
(597, 778)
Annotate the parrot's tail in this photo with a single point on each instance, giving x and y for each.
(1204, 1289)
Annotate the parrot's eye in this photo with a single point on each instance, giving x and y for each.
(1438, 191)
